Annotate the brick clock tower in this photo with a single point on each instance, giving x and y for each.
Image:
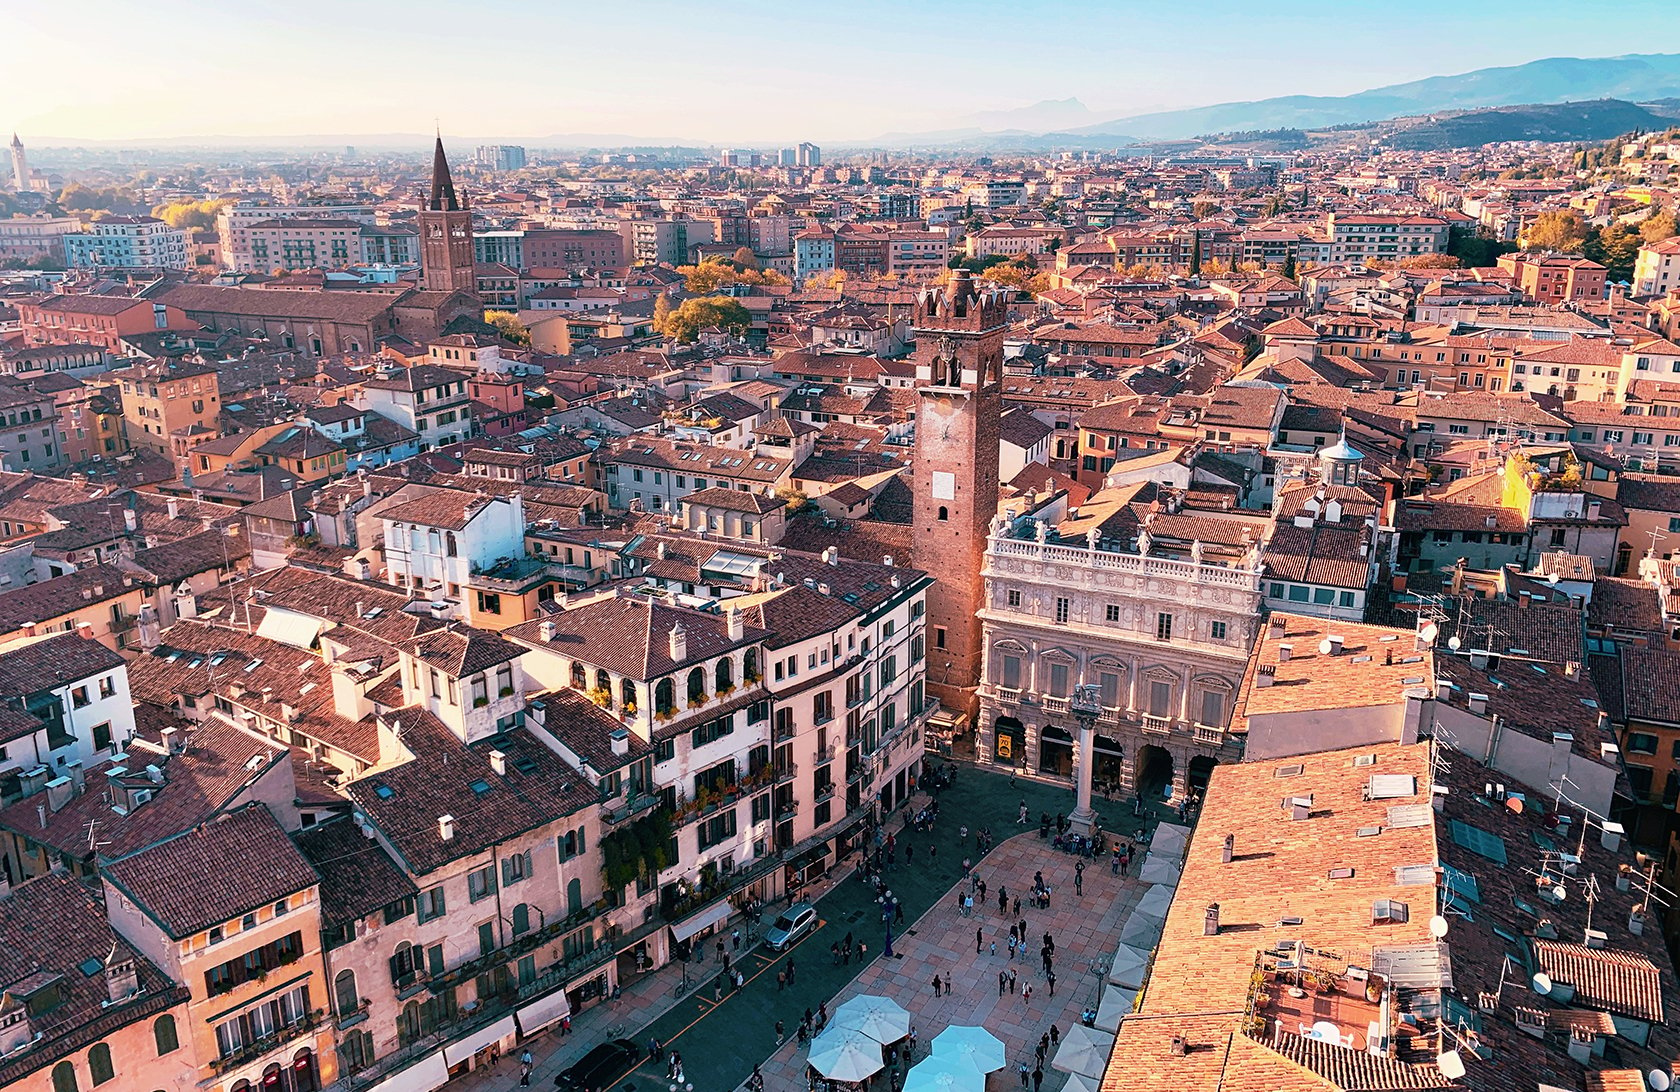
(959, 370)
(446, 243)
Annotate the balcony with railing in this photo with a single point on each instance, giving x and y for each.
(784, 771)
(256, 1048)
(824, 791)
(1156, 725)
(826, 754)
(1209, 734)
(787, 810)
(628, 807)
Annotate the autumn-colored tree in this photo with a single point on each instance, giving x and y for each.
(1430, 261)
(1616, 247)
(1560, 229)
(1201, 210)
(507, 324)
(744, 258)
(1250, 268)
(1216, 267)
(661, 310)
(832, 279)
(1020, 276)
(715, 274)
(1657, 228)
(684, 324)
(190, 215)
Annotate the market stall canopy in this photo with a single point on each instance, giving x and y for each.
(1084, 1051)
(944, 1074)
(1128, 966)
(1141, 931)
(1155, 902)
(1170, 841)
(842, 1055)
(881, 1019)
(977, 1045)
(1159, 870)
(1117, 1002)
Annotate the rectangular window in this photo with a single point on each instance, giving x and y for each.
(938, 636)
(1059, 675)
(1163, 626)
(1324, 596)
(517, 867)
(481, 884)
(430, 904)
(1062, 605)
(1216, 630)
(1109, 683)
(1012, 597)
(1012, 672)
(1111, 613)
(1160, 698)
(1213, 708)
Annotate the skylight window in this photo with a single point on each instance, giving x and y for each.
(1478, 841)
(384, 792)
(480, 787)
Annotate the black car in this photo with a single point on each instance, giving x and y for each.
(600, 1067)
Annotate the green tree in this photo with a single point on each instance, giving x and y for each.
(703, 313)
(1476, 251)
(507, 324)
(1617, 250)
(1560, 229)
(1195, 254)
(1289, 267)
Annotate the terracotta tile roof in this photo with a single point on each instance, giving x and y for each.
(1650, 687)
(1621, 982)
(1323, 554)
(62, 595)
(1310, 679)
(30, 665)
(630, 635)
(55, 926)
(463, 650)
(270, 868)
(588, 730)
(445, 508)
(357, 876)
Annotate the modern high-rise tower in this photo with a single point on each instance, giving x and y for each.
(959, 387)
(446, 244)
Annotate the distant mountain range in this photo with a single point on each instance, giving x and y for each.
(1632, 78)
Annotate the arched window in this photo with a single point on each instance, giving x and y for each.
(356, 1052)
(627, 693)
(723, 677)
(64, 1077)
(568, 846)
(749, 665)
(521, 919)
(603, 681)
(944, 513)
(449, 543)
(664, 696)
(345, 995)
(99, 1063)
(408, 1024)
(580, 676)
(304, 1075)
(574, 897)
(696, 686)
(165, 1035)
(242, 1086)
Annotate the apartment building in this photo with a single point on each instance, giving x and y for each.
(655, 474)
(127, 242)
(1365, 236)
(102, 321)
(1656, 271)
(33, 238)
(1555, 278)
(428, 400)
(235, 224)
(436, 543)
(169, 405)
(69, 707)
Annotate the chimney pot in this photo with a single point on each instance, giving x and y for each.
(498, 763)
(1230, 846)
(446, 827)
(1210, 920)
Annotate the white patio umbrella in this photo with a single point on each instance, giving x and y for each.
(1128, 965)
(1141, 931)
(1155, 902)
(944, 1074)
(1171, 840)
(1084, 1050)
(1116, 1002)
(1078, 1082)
(977, 1045)
(842, 1055)
(1159, 870)
(882, 1019)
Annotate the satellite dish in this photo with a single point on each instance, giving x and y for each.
(1542, 983)
(1450, 1064)
(1325, 647)
(1438, 926)
(1551, 578)
(1430, 632)
(1454, 643)
(1659, 1080)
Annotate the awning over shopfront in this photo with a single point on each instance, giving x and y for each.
(425, 1075)
(718, 911)
(462, 1049)
(542, 1012)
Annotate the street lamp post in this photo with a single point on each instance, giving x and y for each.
(1086, 707)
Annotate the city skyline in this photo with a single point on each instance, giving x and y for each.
(942, 66)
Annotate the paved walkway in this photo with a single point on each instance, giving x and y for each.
(721, 1042)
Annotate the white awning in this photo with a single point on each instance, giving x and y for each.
(425, 1075)
(289, 628)
(462, 1049)
(543, 1012)
(686, 928)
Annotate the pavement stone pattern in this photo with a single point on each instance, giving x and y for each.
(720, 1041)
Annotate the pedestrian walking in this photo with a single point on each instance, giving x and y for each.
(982, 892)
(947, 983)
(936, 984)
(966, 866)
(1051, 979)
(781, 1033)
(781, 981)
(524, 1076)
(790, 970)
(720, 950)
(1020, 820)
(977, 934)
(804, 1033)
(1026, 994)
(912, 1052)
(1011, 981)
(1046, 962)
(898, 911)
(933, 853)
(1038, 1078)
(835, 949)
(1055, 1036)
(526, 1059)
(994, 948)
(962, 835)
(1003, 900)
(909, 853)
(968, 905)
(1079, 878)
(1026, 1075)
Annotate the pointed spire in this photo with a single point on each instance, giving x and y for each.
(443, 187)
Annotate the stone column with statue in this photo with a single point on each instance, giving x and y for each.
(1086, 707)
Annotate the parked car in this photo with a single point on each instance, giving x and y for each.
(600, 1067)
(799, 919)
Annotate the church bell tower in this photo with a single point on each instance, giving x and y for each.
(959, 400)
(446, 243)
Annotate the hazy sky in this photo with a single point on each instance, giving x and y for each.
(735, 70)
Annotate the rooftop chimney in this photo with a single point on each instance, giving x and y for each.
(1178, 1044)
(621, 741)
(1265, 675)
(1581, 1043)
(60, 790)
(1230, 846)
(734, 624)
(498, 763)
(174, 507)
(887, 561)
(659, 550)
(84, 630)
(15, 1032)
(130, 521)
(1572, 669)
(1610, 835)
(78, 776)
(679, 643)
(1478, 703)
(831, 555)
(122, 980)
(1210, 920)
(1284, 652)
(547, 630)
(1335, 643)
(446, 827)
